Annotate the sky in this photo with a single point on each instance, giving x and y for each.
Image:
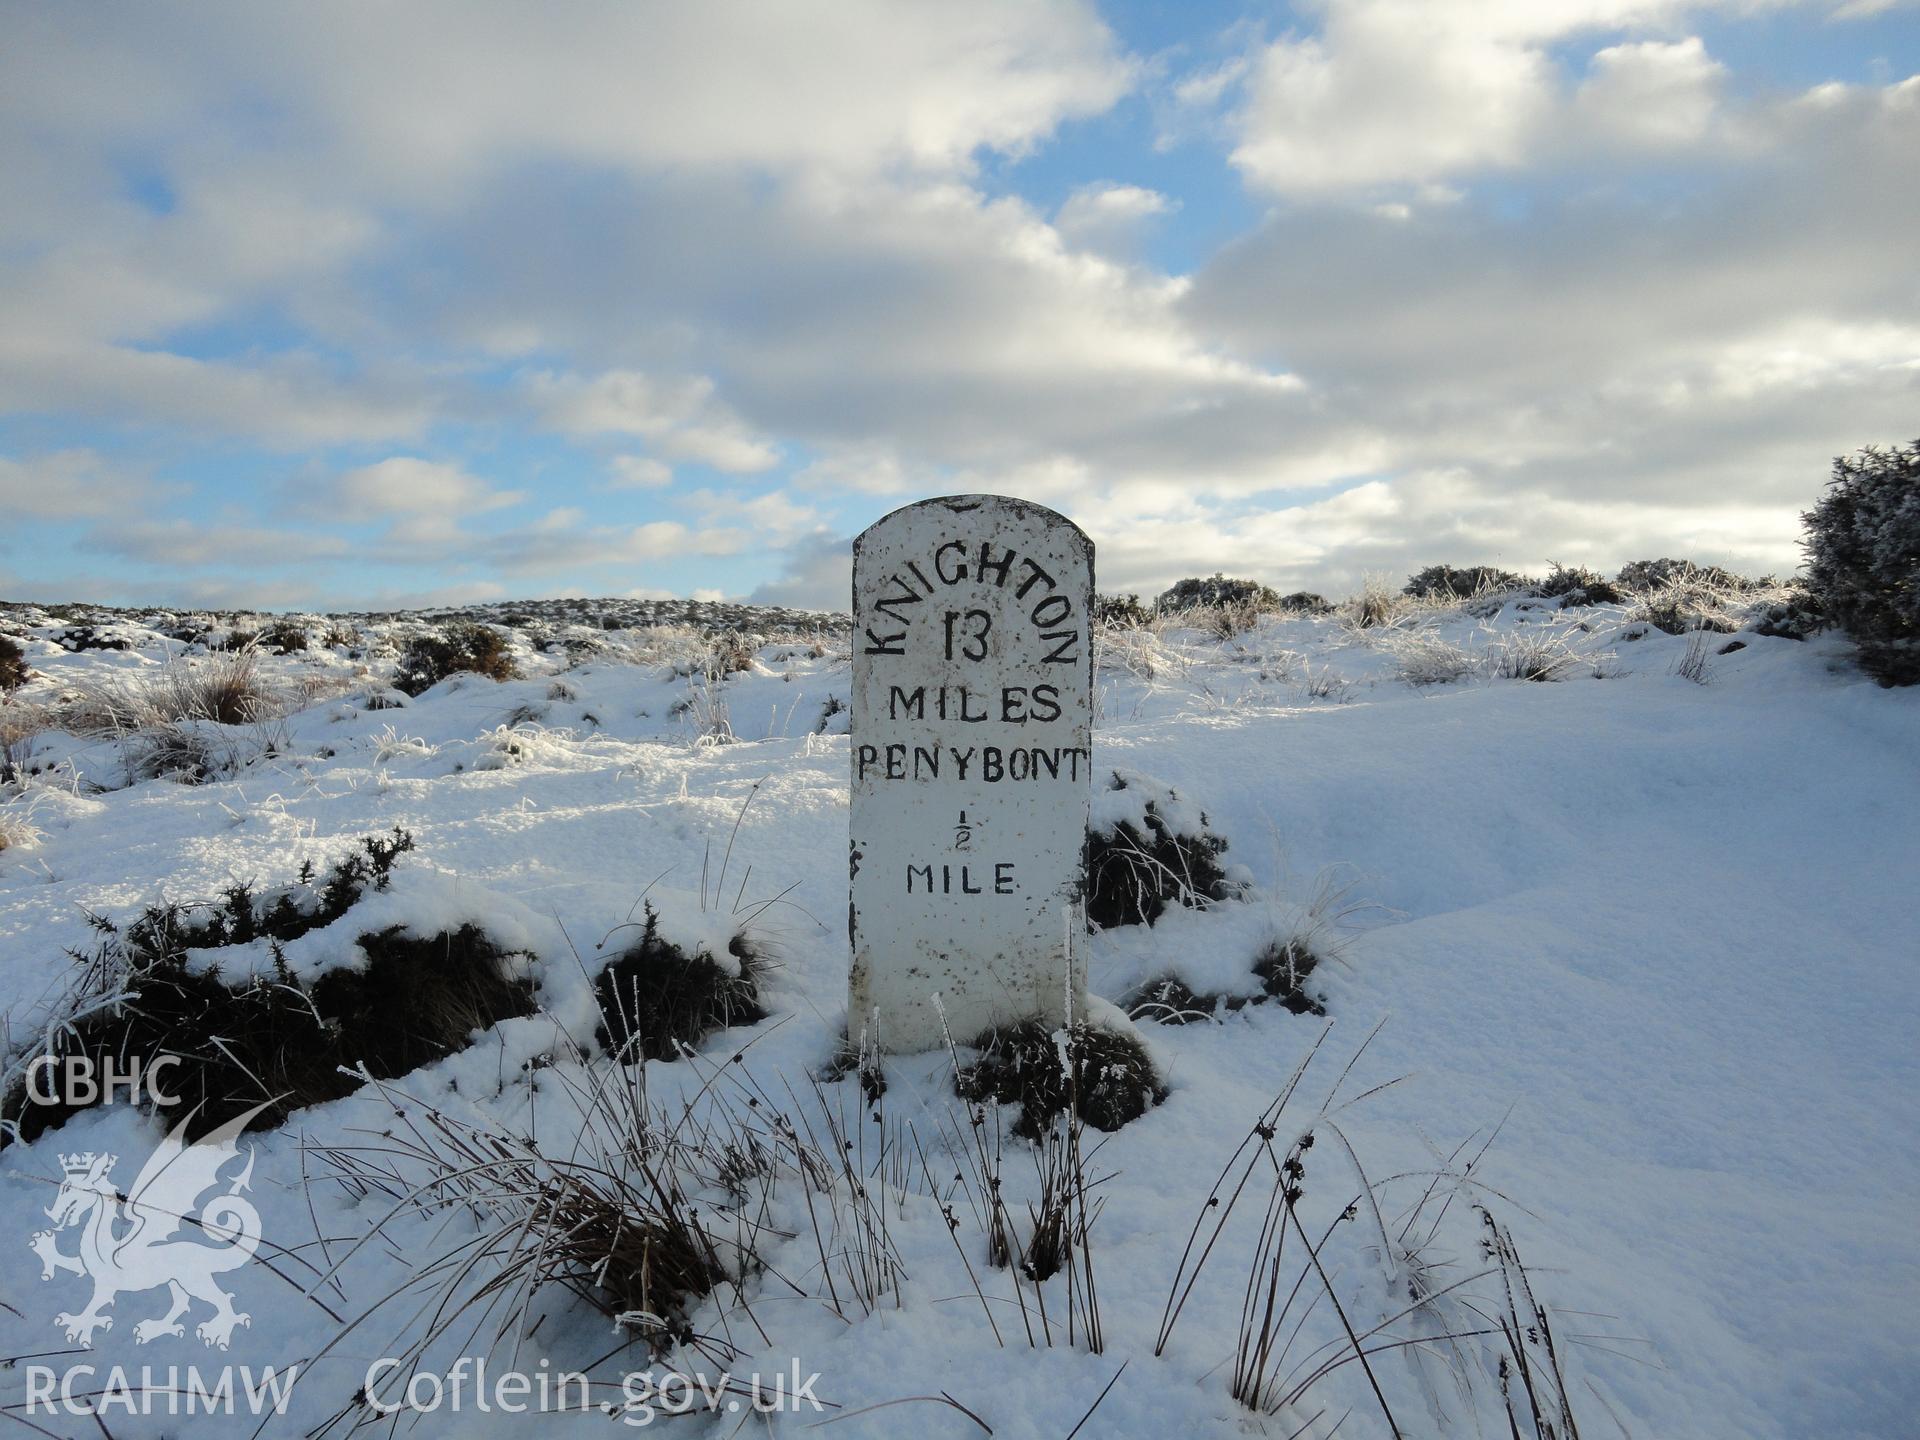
(367, 305)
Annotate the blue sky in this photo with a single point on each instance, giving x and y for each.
(362, 306)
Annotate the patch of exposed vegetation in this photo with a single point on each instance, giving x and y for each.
(1215, 593)
(463, 648)
(1168, 856)
(149, 989)
(1447, 582)
(655, 998)
(1103, 1076)
(1863, 557)
(13, 664)
(1575, 585)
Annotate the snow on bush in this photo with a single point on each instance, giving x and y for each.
(463, 648)
(1148, 847)
(279, 998)
(1576, 585)
(1863, 557)
(1446, 582)
(693, 968)
(13, 663)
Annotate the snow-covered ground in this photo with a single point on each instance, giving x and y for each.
(1656, 934)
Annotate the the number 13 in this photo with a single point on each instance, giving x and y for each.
(978, 623)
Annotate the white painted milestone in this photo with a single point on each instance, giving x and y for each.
(972, 767)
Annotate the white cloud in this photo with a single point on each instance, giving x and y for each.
(426, 492)
(761, 236)
(775, 516)
(723, 447)
(68, 484)
(639, 472)
(1108, 217)
(1390, 93)
(1651, 93)
(1405, 93)
(194, 544)
(422, 96)
(680, 416)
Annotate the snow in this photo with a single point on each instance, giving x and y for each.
(1656, 934)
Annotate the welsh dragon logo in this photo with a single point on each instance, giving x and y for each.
(131, 1242)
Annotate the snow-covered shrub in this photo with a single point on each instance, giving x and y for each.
(665, 991)
(1447, 582)
(1795, 616)
(13, 664)
(79, 638)
(1305, 602)
(176, 750)
(1119, 610)
(1576, 585)
(1100, 1073)
(156, 988)
(1658, 574)
(284, 637)
(1863, 557)
(1214, 593)
(633, 1212)
(1283, 969)
(732, 652)
(1148, 848)
(465, 647)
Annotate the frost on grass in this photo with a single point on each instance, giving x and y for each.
(1148, 848)
(187, 981)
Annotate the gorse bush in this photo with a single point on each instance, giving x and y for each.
(1799, 615)
(1577, 585)
(1120, 610)
(1863, 557)
(1305, 602)
(1441, 582)
(13, 664)
(284, 637)
(1215, 593)
(465, 647)
(1658, 574)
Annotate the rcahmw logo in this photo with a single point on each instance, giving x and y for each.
(131, 1242)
